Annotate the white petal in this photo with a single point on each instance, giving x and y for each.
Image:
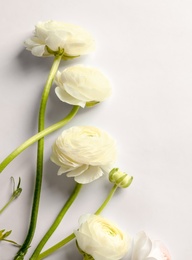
(55, 41)
(79, 47)
(91, 174)
(85, 83)
(64, 169)
(38, 50)
(77, 171)
(65, 97)
(142, 246)
(85, 242)
(84, 218)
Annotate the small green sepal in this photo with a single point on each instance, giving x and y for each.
(91, 103)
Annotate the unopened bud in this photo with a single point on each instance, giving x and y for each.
(121, 179)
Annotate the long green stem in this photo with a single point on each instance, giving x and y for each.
(56, 247)
(38, 136)
(66, 240)
(39, 170)
(56, 222)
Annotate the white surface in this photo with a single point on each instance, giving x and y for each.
(145, 48)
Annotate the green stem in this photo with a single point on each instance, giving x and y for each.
(106, 201)
(57, 222)
(66, 240)
(39, 170)
(7, 204)
(38, 136)
(56, 247)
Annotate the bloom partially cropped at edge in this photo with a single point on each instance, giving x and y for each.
(81, 85)
(84, 152)
(101, 239)
(51, 37)
(145, 249)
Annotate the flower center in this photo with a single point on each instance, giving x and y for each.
(110, 230)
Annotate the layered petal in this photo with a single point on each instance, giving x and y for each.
(146, 249)
(72, 39)
(84, 152)
(102, 239)
(78, 85)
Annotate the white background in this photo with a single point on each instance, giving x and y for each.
(145, 48)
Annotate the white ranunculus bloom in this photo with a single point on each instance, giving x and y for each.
(53, 36)
(84, 152)
(101, 239)
(145, 249)
(81, 85)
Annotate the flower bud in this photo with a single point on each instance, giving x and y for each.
(121, 179)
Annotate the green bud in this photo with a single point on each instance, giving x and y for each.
(121, 179)
(15, 194)
(18, 190)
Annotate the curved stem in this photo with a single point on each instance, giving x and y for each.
(38, 136)
(39, 170)
(106, 201)
(57, 222)
(72, 236)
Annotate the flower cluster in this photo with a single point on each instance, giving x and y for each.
(84, 153)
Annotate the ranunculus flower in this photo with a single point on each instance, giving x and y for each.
(84, 152)
(145, 249)
(51, 37)
(80, 85)
(101, 239)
